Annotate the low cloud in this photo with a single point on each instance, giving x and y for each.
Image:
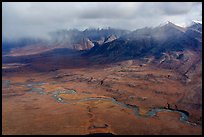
(36, 19)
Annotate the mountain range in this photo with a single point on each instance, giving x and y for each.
(152, 42)
(119, 43)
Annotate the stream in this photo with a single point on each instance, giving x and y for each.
(55, 94)
(153, 112)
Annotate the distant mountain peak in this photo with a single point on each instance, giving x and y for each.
(170, 23)
(110, 38)
(196, 26)
(175, 26)
(166, 23)
(197, 22)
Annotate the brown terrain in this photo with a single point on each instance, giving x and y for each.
(71, 95)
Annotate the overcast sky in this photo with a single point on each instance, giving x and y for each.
(36, 19)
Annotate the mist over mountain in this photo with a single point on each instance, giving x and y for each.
(119, 43)
(152, 41)
(72, 39)
(82, 40)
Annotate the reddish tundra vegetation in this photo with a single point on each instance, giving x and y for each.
(82, 97)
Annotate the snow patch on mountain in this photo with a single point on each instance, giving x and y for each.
(197, 21)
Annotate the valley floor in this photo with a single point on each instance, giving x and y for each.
(113, 99)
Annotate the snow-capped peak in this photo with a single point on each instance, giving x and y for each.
(196, 21)
(164, 23)
(169, 23)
